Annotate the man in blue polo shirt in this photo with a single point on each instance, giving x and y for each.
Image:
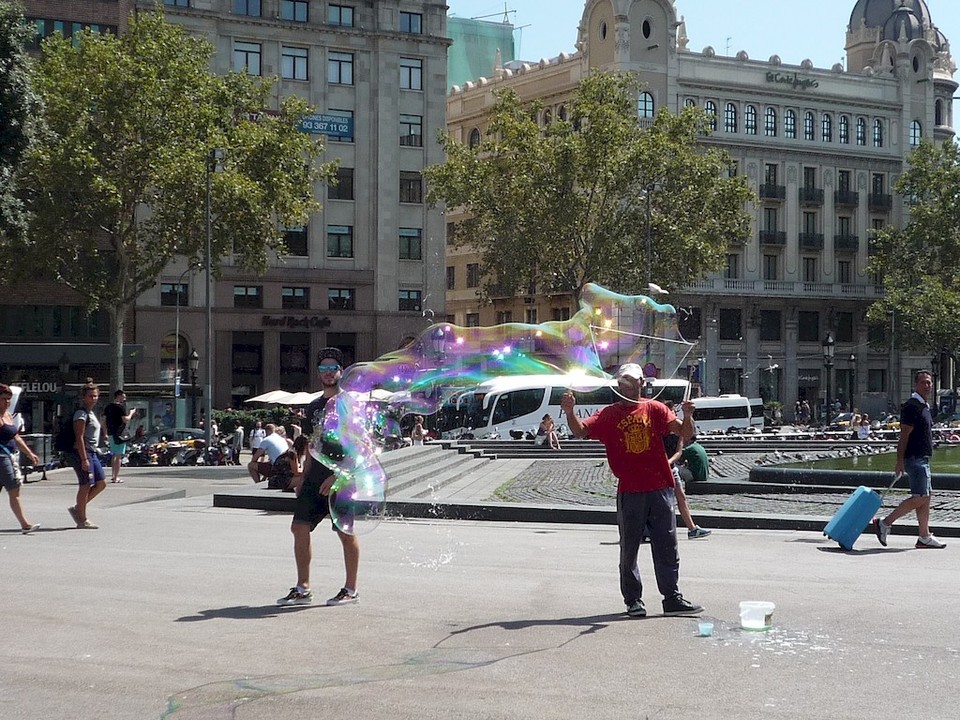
(914, 449)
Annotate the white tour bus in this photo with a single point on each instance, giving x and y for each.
(719, 414)
(519, 402)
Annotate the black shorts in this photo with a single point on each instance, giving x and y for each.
(311, 507)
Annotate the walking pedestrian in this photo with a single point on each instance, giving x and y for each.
(10, 440)
(116, 421)
(83, 458)
(914, 449)
(632, 431)
(237, 443)
(257, 434)
(312, 505)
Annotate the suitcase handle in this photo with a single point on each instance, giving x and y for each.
(896, 477)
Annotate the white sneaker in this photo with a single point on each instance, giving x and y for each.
(344, 597)
(930, 542)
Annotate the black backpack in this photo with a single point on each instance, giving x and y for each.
(65, 439)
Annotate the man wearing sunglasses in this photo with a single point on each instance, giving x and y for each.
(312, 504)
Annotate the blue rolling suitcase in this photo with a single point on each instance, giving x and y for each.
(854, 515)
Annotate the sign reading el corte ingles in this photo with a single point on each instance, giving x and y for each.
(791, 79)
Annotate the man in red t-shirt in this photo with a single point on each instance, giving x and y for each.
(632, 432)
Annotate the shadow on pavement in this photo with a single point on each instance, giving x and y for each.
(245, 612)
(871, 551)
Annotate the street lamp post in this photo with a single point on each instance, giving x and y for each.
(828, 348)
(935, 367)
(649, 244)
(194, 364)
(853, 379)
(63, 366)
(214, 164)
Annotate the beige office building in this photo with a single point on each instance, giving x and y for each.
(822, 148)
(366, 272)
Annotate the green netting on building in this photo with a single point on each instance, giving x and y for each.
(474, 49)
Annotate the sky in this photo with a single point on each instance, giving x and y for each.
(814, 29)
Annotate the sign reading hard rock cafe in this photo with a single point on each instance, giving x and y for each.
(306, 322)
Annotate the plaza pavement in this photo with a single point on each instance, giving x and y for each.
(168, 611)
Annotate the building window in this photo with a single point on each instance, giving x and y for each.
(504, 317)
(473, 275)
(474, 138)
(340, 241)
(770, 219)
(560, 314)
(294, 360)
(730, 118)
(844, 272)
(938, 113)
(878, 184)
(826, 127)
(246, 7)
(340, 68)
(844, 326)
(247, 296)
(341, 15)
(530, 316)
(916, 132)
(844, 130)
(770, 324)
(711, 107)
(645, 105)
(246, 58)
(410, 300)
(177, 3)
(730, 324)
(295, 10)
(411, 187)
(342, 189)
(808, 126)
(731, 381)
(810, 269)
(770, 174)
(348, 114)
(293, 63)
(770, 122)
(472, 320)
(295, 240)
(843, 180)
(451, 277)
(844, 225)
(411, 130)
(295, 298)
(341, 299)
(411, 241)
(808, 326)
(878, 133)
(411, 74)
(790, 125)
(174, 294)
(861, 131)
(690, 324)
(750, 120)
(732, 270)
(411, 23)
(876, 381)
(770, 267)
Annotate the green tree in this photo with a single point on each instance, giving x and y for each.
(566, 205)
(117, 188)
(920, 264)
(18, 112)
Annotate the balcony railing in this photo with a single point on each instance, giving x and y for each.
(847, 198)
(811, 196)
(811, 241)
(773, 192)
(773, 237)
(732, 287)
(880, 202)
(846, 243)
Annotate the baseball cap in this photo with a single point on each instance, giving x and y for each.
(332, 353)
(630, 370)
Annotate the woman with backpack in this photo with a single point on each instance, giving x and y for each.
(10, 440)
(83, 457)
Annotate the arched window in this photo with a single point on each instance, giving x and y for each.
(770, 122)
(916, 133)
(790, 125)
(645, 105)
(878, 133)
(711, 107)
(844, 130)
(750, 120)
(808, 126)
(547, 116)
(474, 138)
(562, 112)
(730, 118)
(861, 131)
(826, 129)
(689, 102)
(938, 113)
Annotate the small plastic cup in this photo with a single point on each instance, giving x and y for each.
(706, 629)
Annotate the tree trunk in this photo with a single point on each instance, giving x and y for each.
(118, 315)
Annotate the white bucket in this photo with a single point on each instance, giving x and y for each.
(756, 615)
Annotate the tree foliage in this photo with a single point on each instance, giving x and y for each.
(561, 206)
(920, 264)
(117, 188)
(19, 110)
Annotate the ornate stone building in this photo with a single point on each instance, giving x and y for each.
(822, 147)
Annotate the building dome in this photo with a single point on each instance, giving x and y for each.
(903, 23)
(876, 13)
